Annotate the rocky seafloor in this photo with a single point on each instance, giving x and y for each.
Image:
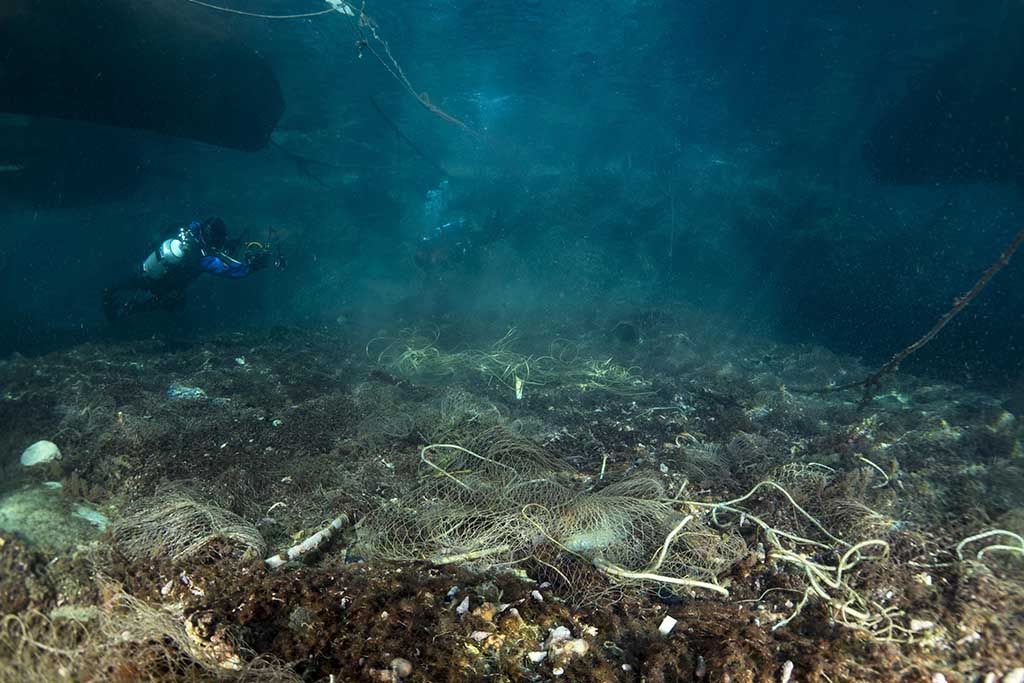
(886, 545)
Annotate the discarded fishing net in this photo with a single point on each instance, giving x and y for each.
(499, 500)
(417, 357)
(172, 525)
(126, 639)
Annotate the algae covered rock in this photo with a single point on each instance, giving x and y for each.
(40, 453)
(46, 520)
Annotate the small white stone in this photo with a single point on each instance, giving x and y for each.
(537, 596)
(557, 635)
(537, 656)
(480, 636)
(918, 625)
(627, 667)
(463, 607)
(938, 678)
(240, 360)
(39, 453)
(401, 667)
(787, 672)
(1015, 676)
(990, 678)
(667, 624)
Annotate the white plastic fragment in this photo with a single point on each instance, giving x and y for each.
(480, 636)
(39, 453)
(309, 545)
(1015, 676)
(787, 671)
(558, 671)
(537, 596)
(463, 607)
(939, 678)
(667, 624)
(537, 656)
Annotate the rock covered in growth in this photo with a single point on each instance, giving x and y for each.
(39, 453)
(181, 392)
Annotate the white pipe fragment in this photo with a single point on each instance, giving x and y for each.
(309, 545)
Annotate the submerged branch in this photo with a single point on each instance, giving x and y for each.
(873, 382)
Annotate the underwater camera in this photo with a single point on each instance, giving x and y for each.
(269, 249)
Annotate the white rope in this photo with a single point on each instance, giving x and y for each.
(335, 6)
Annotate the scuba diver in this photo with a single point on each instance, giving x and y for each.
(159, 283)
(451, 257)
(454, 247)
(451, 244)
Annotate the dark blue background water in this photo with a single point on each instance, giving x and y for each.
(834, 173)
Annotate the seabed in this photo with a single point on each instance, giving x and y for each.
(656, 501)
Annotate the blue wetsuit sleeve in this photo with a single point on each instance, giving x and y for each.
(223, 267)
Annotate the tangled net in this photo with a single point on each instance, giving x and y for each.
(172, 526)
(126, 639)
(500, 501)
(417, 356)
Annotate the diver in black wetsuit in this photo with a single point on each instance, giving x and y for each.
(450, 258)
(159, 283)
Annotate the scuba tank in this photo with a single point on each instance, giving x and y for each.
(168, 255)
